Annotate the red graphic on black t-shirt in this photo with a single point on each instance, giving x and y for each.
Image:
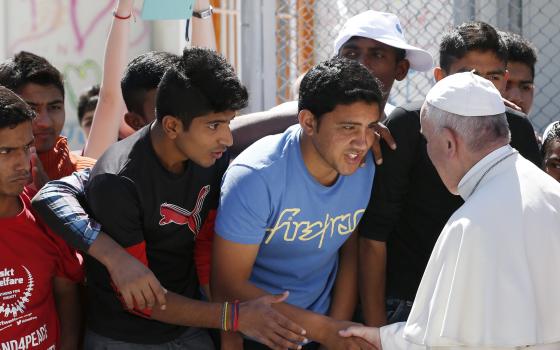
(171, 213)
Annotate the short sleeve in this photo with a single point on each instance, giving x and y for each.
(69, 263)
(245, 206)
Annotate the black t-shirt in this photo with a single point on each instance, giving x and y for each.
(410, 205)
(155, 215)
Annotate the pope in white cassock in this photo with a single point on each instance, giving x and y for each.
(493, 280)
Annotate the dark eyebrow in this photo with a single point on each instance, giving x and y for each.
(498, 71)
(55, 102)
(30, 143)
(348, 123)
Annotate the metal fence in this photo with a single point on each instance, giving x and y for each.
(305, 31)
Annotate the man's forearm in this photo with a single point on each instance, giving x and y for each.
(345, 291)
(69, 313)
(372, 281)
(106, 251)
(188, 312)
(203, 29)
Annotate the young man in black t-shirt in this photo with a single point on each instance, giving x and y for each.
(409, 204)
(153, 194)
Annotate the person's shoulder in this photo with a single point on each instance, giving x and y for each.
(125, 153)
(517, 118)
(410, 107)
(407, 114)
(270, 151)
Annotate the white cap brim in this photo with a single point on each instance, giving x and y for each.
(420, 60)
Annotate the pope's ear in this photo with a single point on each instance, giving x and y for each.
(451, 140)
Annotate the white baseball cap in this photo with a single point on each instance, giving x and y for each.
(466, 94)
(385, 28)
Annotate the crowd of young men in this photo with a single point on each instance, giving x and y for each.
(308, 229)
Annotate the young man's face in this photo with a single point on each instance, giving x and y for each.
(520, 88)
(85, 124)
(343, 137)
(15, 158)
(552, 160)
(206, 139)
(486, 64)
(48, 103)
(137, 121)
(380, 59)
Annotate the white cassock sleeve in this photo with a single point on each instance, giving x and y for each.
(392, 338)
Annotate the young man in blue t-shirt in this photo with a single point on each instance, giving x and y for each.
(290, 204)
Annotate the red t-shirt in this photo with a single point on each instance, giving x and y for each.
(30, 257)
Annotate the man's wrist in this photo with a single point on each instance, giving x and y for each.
(106, 251)
(325, 331)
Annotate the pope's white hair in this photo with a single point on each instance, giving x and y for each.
(479, 132)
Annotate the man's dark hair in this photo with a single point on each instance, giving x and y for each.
(337, 81)
(88, 101)
(143, 74)
(470, 36)
(553, 135)
(13, 110)
(520, 50)
(202, 83)
(26, 67)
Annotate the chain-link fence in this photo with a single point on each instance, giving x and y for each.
(306, 29)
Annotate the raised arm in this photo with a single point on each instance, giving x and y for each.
(111, 108)
(203, 28)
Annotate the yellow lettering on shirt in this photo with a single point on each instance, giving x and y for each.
(290, 229)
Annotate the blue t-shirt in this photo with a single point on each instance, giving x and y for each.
(268, 197)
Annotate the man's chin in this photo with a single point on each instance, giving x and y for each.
(44, 147)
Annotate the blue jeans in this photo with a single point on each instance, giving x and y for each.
(397, 310)
(193, 338)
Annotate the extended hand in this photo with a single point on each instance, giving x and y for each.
(258, 320)
(337, 342)
(370, 334)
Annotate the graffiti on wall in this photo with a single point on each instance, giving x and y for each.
(71, 34)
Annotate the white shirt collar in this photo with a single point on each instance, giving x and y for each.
(475, 176)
